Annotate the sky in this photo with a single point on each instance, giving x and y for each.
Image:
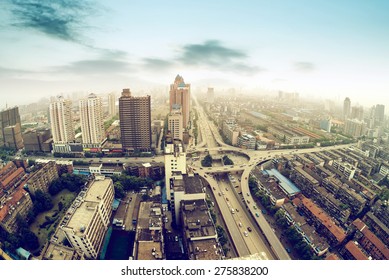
(325, 49)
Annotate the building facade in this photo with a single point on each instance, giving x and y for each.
(92, 121)
(180, 94)
(135, 122)
(61, 121)
(89, 216)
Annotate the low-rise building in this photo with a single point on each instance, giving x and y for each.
(352, 251)
(42, 178)
(370, 242)
(199, 232)
(149, 241)
(18, 203)
(322, 222)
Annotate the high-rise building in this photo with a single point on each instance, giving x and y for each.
(346, 108)
(175, 123)
(112, 104)
(379, 113)
(135, 121)
(357, 113)
(180, 94)
(92, 122)
(89, 216)
(61, 120)
(10, 118)
(355, 128)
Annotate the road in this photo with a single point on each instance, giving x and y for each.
(254, 242)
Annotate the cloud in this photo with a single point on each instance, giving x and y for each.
(62, 19)
(157, 64)
(303, 66)
(210, 52)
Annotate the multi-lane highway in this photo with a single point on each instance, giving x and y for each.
(253, 241)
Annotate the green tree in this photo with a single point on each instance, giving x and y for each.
(119, 190)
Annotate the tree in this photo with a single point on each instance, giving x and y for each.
(227, 160)
(207, 161)
(119, 191)
(29, 240)
(42, 201)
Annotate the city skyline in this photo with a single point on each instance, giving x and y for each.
(326, 50)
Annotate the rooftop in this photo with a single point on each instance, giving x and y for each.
(197, 220)
(285, 184)
(149, 250)
(325, 220)
(355, 251)
(204, 250)
(192, 184)
(58, 252)
(362, 227)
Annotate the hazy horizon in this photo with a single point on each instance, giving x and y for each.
(327, 50)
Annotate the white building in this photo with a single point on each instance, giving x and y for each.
(175, 161)
(86, 221)
(175, 125)
(61, 122)
(92, 122)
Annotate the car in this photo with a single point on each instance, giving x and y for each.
(240, 224)
(247, 194)
(237, 210)
(205, 176)
(248, 201)
(288, 250)
(227, 199)
(255, 207)
(214, 188)
(236, 187)
(249, 229)
(246, 233)
(219, 194)
(200, 168)
(256, 214)
(226, 189)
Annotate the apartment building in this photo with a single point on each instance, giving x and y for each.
(42, 178)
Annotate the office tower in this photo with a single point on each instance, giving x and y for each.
(175, 165)
(379, 113)
(9, 117)
(346, 108)
(89, 216)
(180, 94)
(92, 123)
(356, 113)
(111, 104)
(135, 122)
(175, 123)
(62, 127)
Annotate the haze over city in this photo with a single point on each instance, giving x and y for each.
(322, 49)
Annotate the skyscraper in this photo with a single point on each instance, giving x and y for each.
(379, 113)
(92, 123)
(135, 121)
(346, 108)
(10, 128)
(111, 104)
(61, 120)
(180, 94)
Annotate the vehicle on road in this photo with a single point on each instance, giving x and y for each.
(255, 207)
(246, 233)
(214, 188)
(249, 229)
(240, 224)
(256, 214)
